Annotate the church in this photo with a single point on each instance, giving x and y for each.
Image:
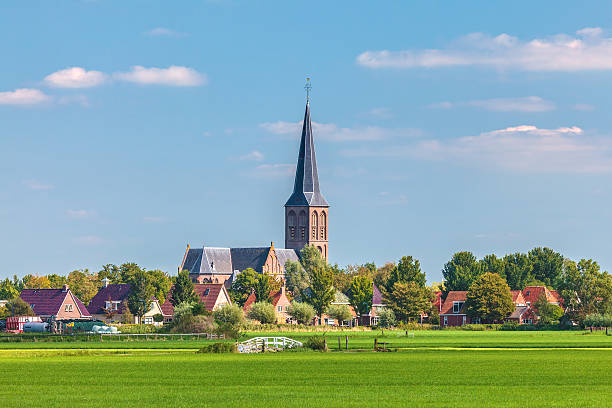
(306, 223)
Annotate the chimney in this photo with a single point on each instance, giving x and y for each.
(65, 288)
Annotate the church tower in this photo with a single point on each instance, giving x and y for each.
(307, 211)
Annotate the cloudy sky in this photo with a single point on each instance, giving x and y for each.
(130, 129)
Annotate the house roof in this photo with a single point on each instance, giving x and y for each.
(518, 312)
(276, 296)
(115, 292)
(377, 298)
(207, 292)
(47, 302)
(437, 303)
(532, 294)
(306, 190)
(250, 300)
(454, 296)
(517, 297)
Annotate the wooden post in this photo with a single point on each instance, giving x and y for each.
(339, 344)
(406, 333)
(346, 343)
(375, 343)
(325, 344)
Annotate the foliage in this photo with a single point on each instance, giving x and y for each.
(263, 312)
(321, 292)
(386, 317)
(489, 298)
(301, 312)
(111, 272)
(219, 348)
(547, 265)
(517, 270)
(8, 290)
(263, 287)
(126, 315)
(57, 281)
(188, 323)
(182, 309)
(141, 293)
(36, 282)
(18, 307)
(585, 289)
(547, 312)
(434, 316)
(83, 284)
(407, 270)
(296, 280)
(318, 343)
(243, 285)
(491, 263)
(409, 300)
(598, 320)
(199, 308)
(460, 272)
(340, 313)
(183, 290)
(360, 294)
(382, 275)
(231, 315)
(161, 283)
(158, 317)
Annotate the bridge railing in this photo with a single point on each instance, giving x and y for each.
(260, 344)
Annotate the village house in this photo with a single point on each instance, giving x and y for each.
(339, 299)
(110, 302)
(371, 318)
(211, 295)
(61, 304)
(279, 300)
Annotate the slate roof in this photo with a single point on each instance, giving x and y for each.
(306, 188)
(47, 302)
(114, 291)
(207, 292)
(377, 298)
(209, 260)
(454, 296)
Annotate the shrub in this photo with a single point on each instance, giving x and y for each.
(183, 308)
(188, 323)
(199, 308)
(303, 313)
(340, 313)
(230, 332)
(316, 343)
(386, 317)
(158, 318)
(231, 315)
(263, 312)
(509, 326)
(219, 348)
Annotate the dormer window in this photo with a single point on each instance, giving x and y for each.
(528, 292)
(206, 292)
(457, 306)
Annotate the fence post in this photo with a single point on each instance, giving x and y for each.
(375, 343)
(346, 343)
(339, 344)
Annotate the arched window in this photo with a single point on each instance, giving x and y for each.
(291, 224)
(315, 222)
(302, 222)
(323, 225)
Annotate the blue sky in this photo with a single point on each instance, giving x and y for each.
(129, 129)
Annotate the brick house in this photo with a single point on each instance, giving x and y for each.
(280, 301)
(108, 304)
(212, 295)
(60, 303)
(453, 309)
(371, 318)
(339, 299)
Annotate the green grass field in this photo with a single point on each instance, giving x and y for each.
(526, 369)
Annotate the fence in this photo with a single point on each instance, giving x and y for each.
(262, 344)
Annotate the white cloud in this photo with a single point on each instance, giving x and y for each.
(173, 76)
(331, 132)
(523, 148)
(583, 107)
(254, 156)
(74, 99)
(89, 240)
(80, 214)
(37, 185)
(273, 170)
(522, 104)
(164, 32)
(75, 77)
(380, 113)
(587, 50)
(23, 96)
(154, 220)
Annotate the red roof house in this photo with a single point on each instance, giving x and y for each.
(212, 295)
(61, 303)
(108, 304)
(280, 301)
(453, 309)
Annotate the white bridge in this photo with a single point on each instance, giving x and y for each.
(259, 344)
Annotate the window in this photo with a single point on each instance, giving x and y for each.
(206, 292)
(286, 308)
(463, 321)
(528, 303)
(528, 292)
(457, 306)
(280, 308)
(68, 308)
(148, 320)
(476, 320)
(446, 320)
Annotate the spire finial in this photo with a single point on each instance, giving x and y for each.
(307, 87)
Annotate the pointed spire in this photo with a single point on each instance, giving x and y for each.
(306, 188)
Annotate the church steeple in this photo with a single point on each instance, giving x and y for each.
(306, 210)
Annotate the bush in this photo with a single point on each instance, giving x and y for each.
(137, 328)
(158, 318)
(219, 348)
(188, 323)
(316, 343)
(231, 315)
(340, 313)
(509, 326)
(303, 313)
(263, 312)
(199, 308)
(386, 318)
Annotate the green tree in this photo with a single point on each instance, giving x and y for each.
(489, 298)
(460, 272)
(297, 280)
(8, 290)
(407, 270)
(229, 316)
(340, 313)
(126, 315)
(360, 294)
(57, 281)
(517, 270)
(585, 289)
(386, 317)
(243, 285)
(491, 263)
(36, 282)
(381, 276)
(303, 313)
(83, 284)
(547, 312)
(341, 278)
(18, 307)
(321, 292)
(263, 312)
(263, 287)
(183, 290)
(141, 293)
(547, 265)
(408, 300)
(161, 283)
(112, 272)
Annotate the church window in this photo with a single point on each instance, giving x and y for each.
(291, 222)
(315, 221)
(323, 225)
